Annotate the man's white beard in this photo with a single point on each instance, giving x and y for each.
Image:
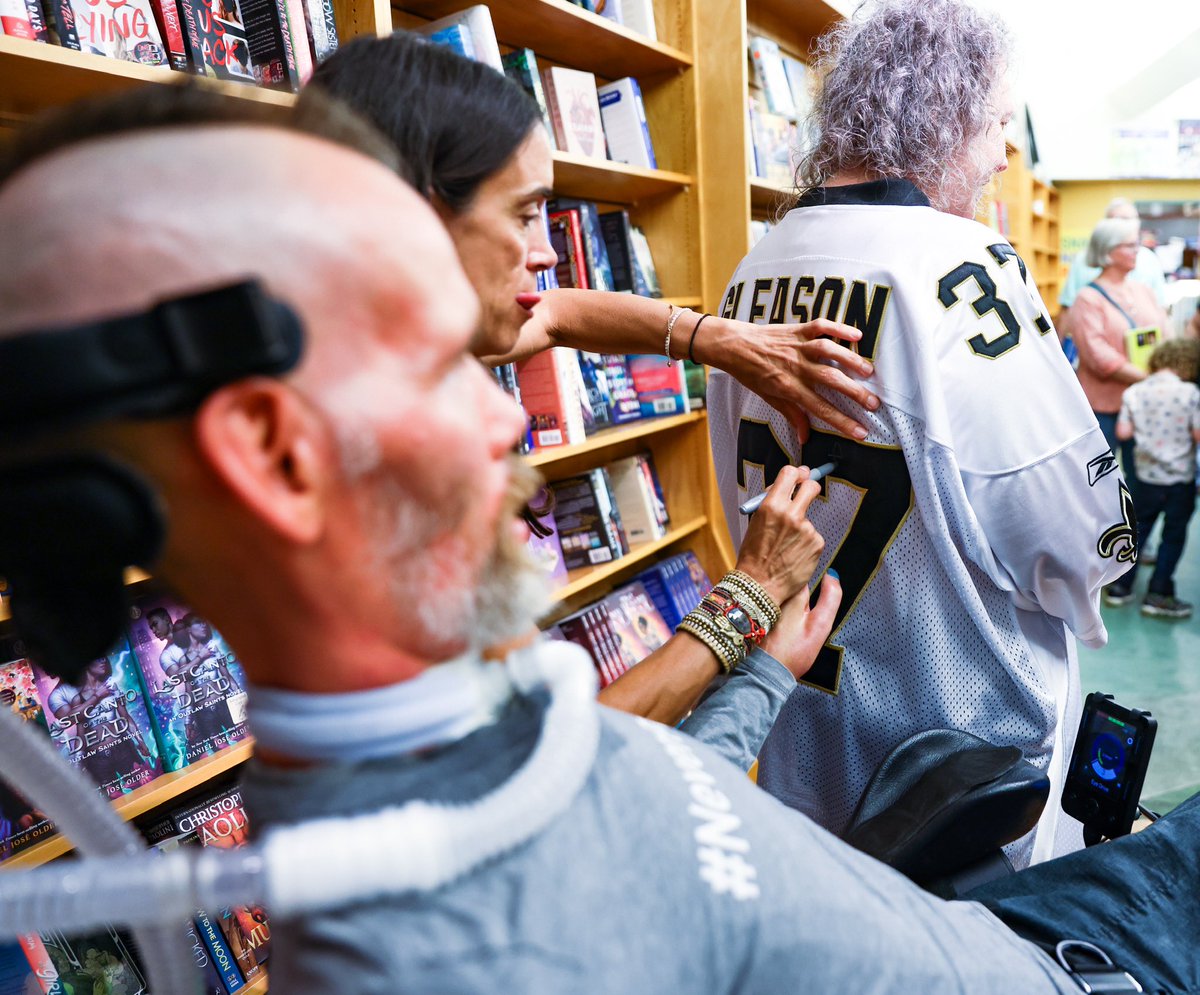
(417, 551)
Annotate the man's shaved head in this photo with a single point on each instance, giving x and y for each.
(112, 224)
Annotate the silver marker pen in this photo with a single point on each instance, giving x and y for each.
(751, 506)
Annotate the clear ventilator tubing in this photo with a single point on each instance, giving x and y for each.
(69, 799)
(292, 870)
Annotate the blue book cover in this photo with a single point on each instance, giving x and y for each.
(455, 37)
(223, 960)
(652, 581)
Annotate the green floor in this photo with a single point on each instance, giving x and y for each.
(1155, 664)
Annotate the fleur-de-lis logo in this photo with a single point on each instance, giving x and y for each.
(1120, 540)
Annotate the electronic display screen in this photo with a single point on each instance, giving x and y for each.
(1108, 765)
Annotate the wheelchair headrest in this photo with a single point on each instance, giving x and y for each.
(943, 799)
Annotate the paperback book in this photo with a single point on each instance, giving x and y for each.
(101, 724)
(97, 963)
(626, 130)
(215, 31)
(520, 65)
(124, 30)
(476, 22)
(574, 111)
(194, 684)
(21, 824)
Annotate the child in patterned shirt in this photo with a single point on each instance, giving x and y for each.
(1162, 414)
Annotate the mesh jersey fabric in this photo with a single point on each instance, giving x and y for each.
(974, 527)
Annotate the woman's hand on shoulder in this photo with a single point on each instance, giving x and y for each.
(786, 364)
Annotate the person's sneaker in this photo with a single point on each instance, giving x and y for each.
(1166, 606)
(1115, 596)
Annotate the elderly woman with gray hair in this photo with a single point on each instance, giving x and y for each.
(1103, 313)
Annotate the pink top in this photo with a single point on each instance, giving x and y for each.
(1099, 332)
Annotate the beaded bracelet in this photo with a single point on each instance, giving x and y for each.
(726, 646)
(674, 317)
(750, 592)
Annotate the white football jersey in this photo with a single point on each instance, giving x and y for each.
(972, 530)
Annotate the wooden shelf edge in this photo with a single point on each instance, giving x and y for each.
(585, 577)
(611, 437)
(36, 76)
(158, 792)
(615, 182)
(766, 196)
(563, 32)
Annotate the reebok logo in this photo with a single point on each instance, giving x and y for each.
(1101, 467)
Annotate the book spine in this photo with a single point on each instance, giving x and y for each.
(223, 960)
(167, 14)
(295, 41)
(37, 21)
(556, 114)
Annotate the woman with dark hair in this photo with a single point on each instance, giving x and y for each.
(476, 148)
(473, 143)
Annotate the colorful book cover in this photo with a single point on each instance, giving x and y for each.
(549, 393)
(617, 232)
(626, 130)
(566, 236)
(578, 630)
(641, 611)
(574, 111)
(37, 21)
(98, 963)
(222, 958)
(193, 683)
(101, 724)
(602, 625)
(520, 65)
(166, 13)
(124, 30)
(14, 20)
(661, 385)
(62, 17)
(699, 584)
(600, 273)
(582, 528)
(544, 544)
(771, 75)
(636, 499)
(269, 41)
(610, 513)
(625, 404)
(216, 37)
(476, 21)
(653, 580)
(322, 28)
(21, 824)
(643, 262)
(212, 982)
(595, 390)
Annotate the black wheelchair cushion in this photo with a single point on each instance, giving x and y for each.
(944, 799)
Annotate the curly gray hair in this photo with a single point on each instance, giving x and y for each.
(906, 85)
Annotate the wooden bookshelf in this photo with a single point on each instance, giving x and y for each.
(613, 182)
(562, 460)
(731, 196)
(163, 789)
(564, 33)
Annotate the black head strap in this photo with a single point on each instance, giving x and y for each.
(70, 524)
(160, 362)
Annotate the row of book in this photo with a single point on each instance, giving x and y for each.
(273, 43)
(778, 112)
(582, 116)
(626, 626)
(230, 945)
(637, 15)
(568, 394)
(599, 516)
(169, 694)
(600, 250)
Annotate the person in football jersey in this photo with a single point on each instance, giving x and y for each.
(359, 582)
(475, 145)
(976, 525)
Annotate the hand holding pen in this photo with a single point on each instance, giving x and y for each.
(751, 506)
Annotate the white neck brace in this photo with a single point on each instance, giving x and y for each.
(444, 704)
